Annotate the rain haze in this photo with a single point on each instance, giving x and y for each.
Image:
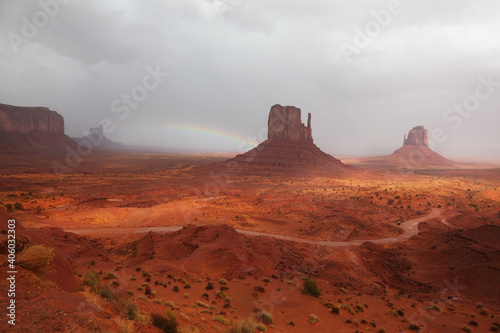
(199, 75)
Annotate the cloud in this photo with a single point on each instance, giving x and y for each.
(230, 61)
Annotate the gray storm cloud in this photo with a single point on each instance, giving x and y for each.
(368, 71)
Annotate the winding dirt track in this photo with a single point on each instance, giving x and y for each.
(410, 229)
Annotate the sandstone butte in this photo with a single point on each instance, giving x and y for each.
(415, 151)
(289, 147)
(27, 129)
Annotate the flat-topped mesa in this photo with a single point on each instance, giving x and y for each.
(417, 136)
(285, 124)
(26, 120)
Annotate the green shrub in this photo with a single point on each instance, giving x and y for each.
(311, 288)
(91, 279)
(123, 306)
(221, 320)
(313, 319)
(265, 317)
(261, 327)
(243, 327)
(167, 324)
(36, 258)
(466, 328)
(414, 327)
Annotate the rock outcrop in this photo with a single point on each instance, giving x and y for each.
(417, 136)
(289, 148)
(414, 153)
(96, 138)
(32, 129)
(26, 120)
(285, 124)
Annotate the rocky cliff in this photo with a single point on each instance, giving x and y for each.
(26, 120)
(285, 124)
(32, 130)
(417, 136)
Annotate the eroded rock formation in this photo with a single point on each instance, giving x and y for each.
(26, 120)
(32, 129)
(289, 147)
(417, 136)
(285, 123)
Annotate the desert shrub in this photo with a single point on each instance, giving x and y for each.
(188, 329)
(311, 288)
(36, 258)
(313, 319)
(9, 207)
(260, 289)
(243, 327)
(382, 330)
(359, 308)
(414, 327)
(166, 323)
(466, 328)
(108, 276)
(335, 309)
(104, 292)
(147, 290)
(125, 326)
(261, 327)
(124, 306)
(221, 320)
(434, 307)
(91, 279)
(265, 317)
(222, 281)
(18, 206)
(209, 286)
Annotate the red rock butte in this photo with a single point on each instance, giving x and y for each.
(415, 152)
(289, 147)
(417, 136)
(24, 129)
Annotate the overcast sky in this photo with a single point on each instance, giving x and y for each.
(368, 71)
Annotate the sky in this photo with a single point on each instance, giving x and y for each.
(202, 75)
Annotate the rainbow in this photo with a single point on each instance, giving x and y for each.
(213, 132)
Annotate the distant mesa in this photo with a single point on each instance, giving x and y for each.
(289, 146)
(97, 139)
(25, 129)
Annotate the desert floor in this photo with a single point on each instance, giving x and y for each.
(390, 248)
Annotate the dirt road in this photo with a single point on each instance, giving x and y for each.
(410, 229)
